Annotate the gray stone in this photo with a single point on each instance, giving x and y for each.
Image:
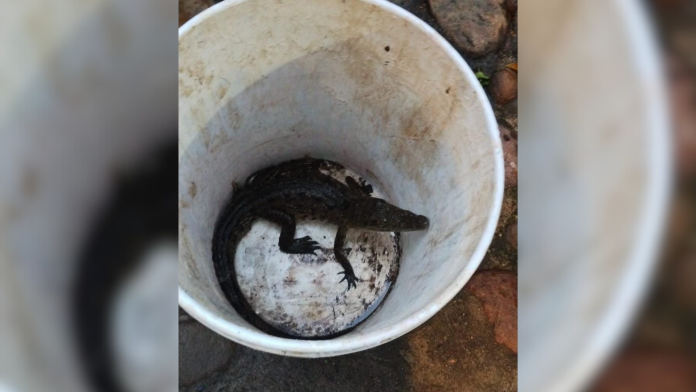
(477, 27)
(383, 369)
(201, 352)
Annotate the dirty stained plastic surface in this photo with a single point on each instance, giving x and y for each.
(412, 120)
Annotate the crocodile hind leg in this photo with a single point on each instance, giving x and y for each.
(348, 274)
(288, 243)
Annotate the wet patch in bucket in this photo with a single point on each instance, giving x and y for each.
(301, 295)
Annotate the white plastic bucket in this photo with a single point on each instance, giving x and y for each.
(362, 83)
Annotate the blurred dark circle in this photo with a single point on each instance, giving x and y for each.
(142, 211)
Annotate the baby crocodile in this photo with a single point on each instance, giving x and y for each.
(293, 191)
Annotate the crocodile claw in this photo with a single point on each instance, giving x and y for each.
(350, 278)
(304, 245)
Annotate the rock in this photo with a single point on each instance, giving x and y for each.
(511, 6)
(497, 291)
(201, 352)
(477, 27)
(503, 86)
(511, 234)
(382, 368)
(509, 155)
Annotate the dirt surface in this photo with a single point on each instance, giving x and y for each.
(456, 350)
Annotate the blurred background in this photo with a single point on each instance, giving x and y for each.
(660, 350)
(88, 205)
(607, 206)
(607, 130)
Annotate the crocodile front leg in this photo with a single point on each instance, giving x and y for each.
(288, 243)
(348, 274)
